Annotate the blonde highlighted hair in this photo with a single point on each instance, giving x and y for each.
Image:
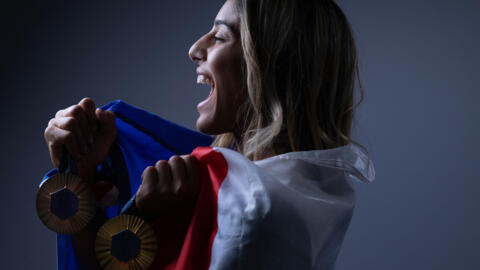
(300, 64)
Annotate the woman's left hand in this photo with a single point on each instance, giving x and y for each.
(168, 187)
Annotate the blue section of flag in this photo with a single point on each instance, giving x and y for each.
(143, 138)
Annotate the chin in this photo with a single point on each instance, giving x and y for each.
(205, 126)
(208, 125)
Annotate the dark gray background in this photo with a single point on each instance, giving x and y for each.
(418, 61)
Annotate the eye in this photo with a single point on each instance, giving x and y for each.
(216, 38)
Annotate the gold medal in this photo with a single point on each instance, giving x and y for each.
(65, 203)
(125, 242)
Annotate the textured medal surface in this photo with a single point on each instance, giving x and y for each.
(125, 242)
(65, 203)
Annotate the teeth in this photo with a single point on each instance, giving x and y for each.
(202, 79)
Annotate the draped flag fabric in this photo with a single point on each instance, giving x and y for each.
(142, 140)
(290, 211)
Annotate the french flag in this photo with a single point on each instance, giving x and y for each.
(289, 211)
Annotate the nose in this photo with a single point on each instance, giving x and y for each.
(198, 51)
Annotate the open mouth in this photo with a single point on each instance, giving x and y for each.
(204, 79)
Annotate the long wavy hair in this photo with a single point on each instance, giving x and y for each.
(300, 65)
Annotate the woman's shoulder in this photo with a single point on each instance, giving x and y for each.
(351, 159)
(289, 184)
(295, 206)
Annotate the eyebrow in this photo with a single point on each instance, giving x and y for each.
(229, 26)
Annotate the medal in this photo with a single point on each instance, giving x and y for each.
(65, 203)
(126, 242)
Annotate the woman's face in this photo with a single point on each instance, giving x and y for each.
(219, 57)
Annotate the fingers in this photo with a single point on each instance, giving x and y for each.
(89, 108)
(69, 127)
(145, 196)
(57, 140)
(107, 127)
(173, 176)
(75, 114)
(192, 184)
(167, 186)
(78, 119)
(149, 178)
(164, 173)
(85, 132)
(179, 174)
(156, 180)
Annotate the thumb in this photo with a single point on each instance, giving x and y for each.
(107, 123)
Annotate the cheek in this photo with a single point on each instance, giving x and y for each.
(229, 90)
(221, 115)
(229, 76)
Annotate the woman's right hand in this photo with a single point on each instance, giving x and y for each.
(85, 132)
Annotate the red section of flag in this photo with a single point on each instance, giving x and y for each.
(185, 240)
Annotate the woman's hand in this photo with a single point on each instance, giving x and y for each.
(85, 132)
(168, 186)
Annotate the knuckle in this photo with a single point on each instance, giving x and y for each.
(48, 134)
(52, 144)
(144, 191)
(110, 117)
(76, 110)
(51, 122)
(176, 162)
(146, 175)
(59, 113)
(190, 160)
(173, 159)
(70, 123)
(149, 177)
(68, 111)
(161, 165)
(88, 102)
(47, 131)
(85, 100)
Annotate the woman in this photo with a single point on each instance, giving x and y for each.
(282, 78)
